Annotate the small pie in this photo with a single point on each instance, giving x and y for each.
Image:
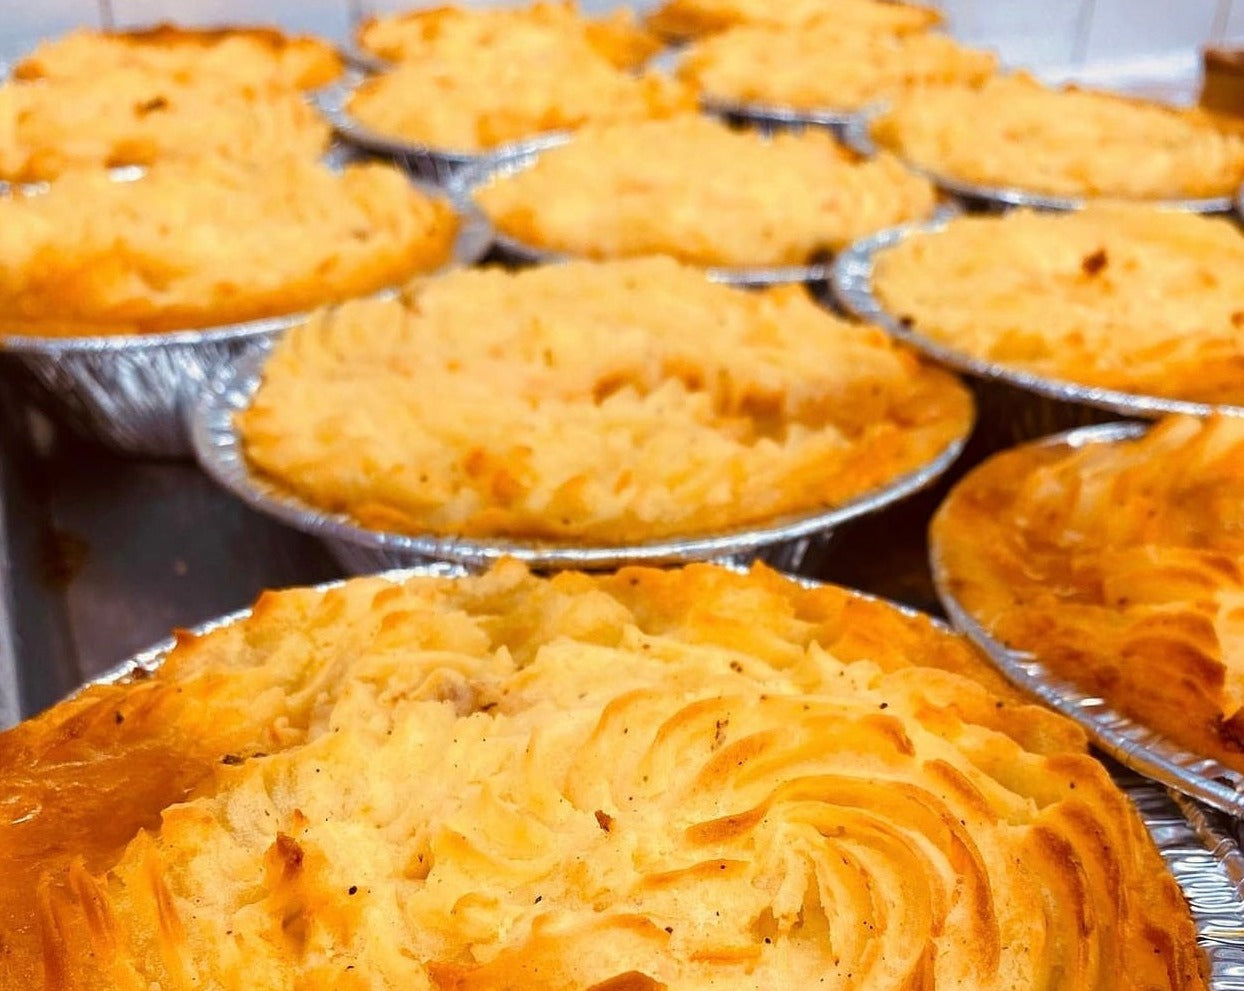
(1121, 567)
(1015, 132)
(137, 115)
(528, 81)
(641, 188)
(196, 245)
(589, 403)
(240, 55)
(825, 66)
(415, 34)
(1125, 297)
(683, 19)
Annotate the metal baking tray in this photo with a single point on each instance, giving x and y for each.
(1196, 843)
(424, 161)
(130, 391)
(463, 185)
(361, 550)
(856, 134)
(1122, 738)
(1013, 405)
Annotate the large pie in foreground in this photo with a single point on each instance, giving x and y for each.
(656, 779)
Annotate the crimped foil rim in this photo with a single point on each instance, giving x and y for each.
(1128, 741)
(471, 243)
(331, 100)
(219, 450)
(852, 283)
(856, 134)
(779, 114)
(462, 186)
(1195, 843)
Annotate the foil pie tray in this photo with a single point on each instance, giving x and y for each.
(1197, 844)
(1012, 405)
(769, 118)
(424, 161)
(855, 133)
(360, 550)
(129, 392)
(1127, 741)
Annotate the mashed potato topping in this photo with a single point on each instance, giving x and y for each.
(680, 19)
(244, 56)
(612, 402)
(643, 188)
(1126, 297)
(1121, 566)
(198, 244)
(416, 34)
(656, 779)
(139, 116)
(1016, 132)
(527, 82)
(825, 66)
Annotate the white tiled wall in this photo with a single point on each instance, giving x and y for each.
(1035, 33)
(1233, 22)
(1049, 34)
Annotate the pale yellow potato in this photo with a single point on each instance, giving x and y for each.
(192, 245)
(697, 190)
(1122, 296)
(139, 116)
(529, 81)
(613, 402)
(825, 66)
(681, 19)
(429, 31)
(239, 55)
(656, 779)
(1121, 567)
(1013, 131)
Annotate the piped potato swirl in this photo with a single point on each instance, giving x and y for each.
(645, 780)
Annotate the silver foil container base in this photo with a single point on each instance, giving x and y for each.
(793, 557)
(1119, 736)
(1197, 844)
(772, 119)
(129, 393)
(1014, 405)
(219, 449)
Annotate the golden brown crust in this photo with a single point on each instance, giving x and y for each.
(416, 34)
(592, 402)
(825, 65)
(1013, 131)
(242, 55)
(682, 19)
(622, 782)
(1122, 567)
(527, 83)
(1120, 296)
(191, 246)
(141, 116)
(633, 189)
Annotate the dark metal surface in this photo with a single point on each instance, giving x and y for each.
(101, 556)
